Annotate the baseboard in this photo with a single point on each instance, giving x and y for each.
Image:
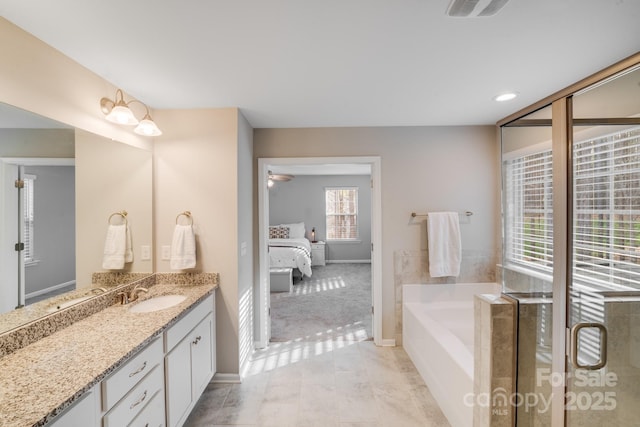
(388, 342)
(349, 261)
(49, 289)
(220, 378)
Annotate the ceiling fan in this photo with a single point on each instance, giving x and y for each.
(472, 8)
(280, 177)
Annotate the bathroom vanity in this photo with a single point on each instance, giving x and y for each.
(117, 367)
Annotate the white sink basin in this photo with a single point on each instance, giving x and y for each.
(157, 303)
(66, 304)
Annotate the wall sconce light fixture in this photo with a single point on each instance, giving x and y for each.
(118, 111)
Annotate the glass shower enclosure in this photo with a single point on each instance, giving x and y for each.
(571, 251)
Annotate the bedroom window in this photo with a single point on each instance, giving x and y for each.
(341, 208)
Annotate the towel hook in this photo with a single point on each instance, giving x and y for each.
(123, 214)
(187, 214)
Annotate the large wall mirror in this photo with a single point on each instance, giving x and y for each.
(53, 228)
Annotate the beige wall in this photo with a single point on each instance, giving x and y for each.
(110, 177)
(246, 278)
(38, 78)
(423, 169)
(196, 169)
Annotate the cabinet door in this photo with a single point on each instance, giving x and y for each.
(81, 414)
(178, 375)
(202, 356)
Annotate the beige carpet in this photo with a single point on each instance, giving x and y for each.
(333, 304)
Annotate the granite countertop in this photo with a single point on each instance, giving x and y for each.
(40, 380)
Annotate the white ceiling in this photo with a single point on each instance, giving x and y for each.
(302, 63)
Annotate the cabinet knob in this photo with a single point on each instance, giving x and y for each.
(197, 340)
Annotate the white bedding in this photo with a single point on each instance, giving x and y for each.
(291, 253)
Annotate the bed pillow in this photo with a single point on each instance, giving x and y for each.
(296, 230)
(278, 232)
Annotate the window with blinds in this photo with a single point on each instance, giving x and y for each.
(607, 210)
(341, 209)
(528, 210)
(28, 212)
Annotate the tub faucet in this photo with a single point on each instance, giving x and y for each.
(99, 290)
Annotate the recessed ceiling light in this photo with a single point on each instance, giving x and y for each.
(507, 96)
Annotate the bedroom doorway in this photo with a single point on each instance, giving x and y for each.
(357, 271)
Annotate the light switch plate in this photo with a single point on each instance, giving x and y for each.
(166, 252)
(146, 252)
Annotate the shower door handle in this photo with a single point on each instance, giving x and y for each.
(575, 332)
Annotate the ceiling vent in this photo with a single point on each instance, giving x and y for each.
(473, 8)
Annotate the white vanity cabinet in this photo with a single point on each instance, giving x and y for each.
(190, 361)
(85, 412)
(128, 391)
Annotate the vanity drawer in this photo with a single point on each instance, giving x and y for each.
(178, 331)
(153, 414)
(121, 381)
(136, 400)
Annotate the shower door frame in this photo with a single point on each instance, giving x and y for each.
(562, 138)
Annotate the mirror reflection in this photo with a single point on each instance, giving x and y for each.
(58, 187)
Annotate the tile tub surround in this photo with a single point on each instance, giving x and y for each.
(41, 380)
(412, 267)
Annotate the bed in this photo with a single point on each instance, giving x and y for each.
(288, 248)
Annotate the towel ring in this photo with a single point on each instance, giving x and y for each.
(187, 214)
(123, 214)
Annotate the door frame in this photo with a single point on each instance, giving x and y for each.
(262, 312)
(21, 162)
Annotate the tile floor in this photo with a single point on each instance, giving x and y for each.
(323, 384)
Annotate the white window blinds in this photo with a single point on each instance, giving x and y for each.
(341, 208)
(607, 210)
(28, 213)
(528, 210)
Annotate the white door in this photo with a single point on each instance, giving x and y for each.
(11, 296)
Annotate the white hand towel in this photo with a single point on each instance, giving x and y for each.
(115, 246)
(183, 248)
(128, 252)
(445, 246)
